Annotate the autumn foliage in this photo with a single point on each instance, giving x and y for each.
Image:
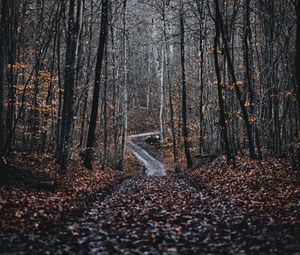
(23, 208)
(267, 188)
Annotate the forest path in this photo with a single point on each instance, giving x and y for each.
(153, 167)
(159, 214)
(162, 215)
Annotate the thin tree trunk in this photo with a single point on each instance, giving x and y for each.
(248, 56)
(201, 75)
(83, 118)
(161, 97)
(105, 117)
(185, 131)
(34, 113)
(70, 74)
(87, 81)
(125, 93)
(149, 80)
(11, 76)
(3, 58)
(170, 90)
(96, 92)
(224, 132)
(297, 65)
(114, 100)
(236, 86)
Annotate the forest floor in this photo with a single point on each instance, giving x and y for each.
(253, 209)
(268, 188)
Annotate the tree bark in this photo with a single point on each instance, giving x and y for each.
(70, 74)
(297, 65)
(148, 81)
(12, 27)
(114, 100)
(248, 58)
(224, 131)
(125, 93)
(105, 114)
(185, 131)
(234, 80)
(96, 92)
(3, 58)
(200, 10)
(170, 91)
(161, 97)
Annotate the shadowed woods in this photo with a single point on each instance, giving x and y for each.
(81, 83)
(149, 213)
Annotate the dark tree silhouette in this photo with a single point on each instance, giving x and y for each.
(185, 131)
(70, 65)
(95, 102)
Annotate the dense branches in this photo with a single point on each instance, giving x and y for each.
(213, 76)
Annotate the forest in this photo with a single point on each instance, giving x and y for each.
(149, 127)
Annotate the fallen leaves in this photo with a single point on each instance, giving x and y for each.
(23, 208)
(267, 188)
(174, 216)
(156, 215)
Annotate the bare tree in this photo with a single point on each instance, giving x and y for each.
(70, 72)
(185, 131)
(95, 102)
(125, 92)
(3, 58)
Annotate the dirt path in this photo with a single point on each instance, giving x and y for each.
(152, 166)
(153, 215)
(159, 215)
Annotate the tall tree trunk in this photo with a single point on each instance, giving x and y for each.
(297, 70)
(224, 131)
(149, 81)
(70, 74)
(34, 113)
(3, 60)
(161, 97)
(170, 91)
(12, 26)
(125, 93)
(248, 58)
(236, 86)
(200, 5)
(87, 81)
(83, 118)
(105, 117)
(96, 92)
(185, 131)
(114, 99)
(297, 65)
(60, 94)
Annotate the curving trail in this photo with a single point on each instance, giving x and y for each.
(155, 215)
(158, 214)
(152, 166)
